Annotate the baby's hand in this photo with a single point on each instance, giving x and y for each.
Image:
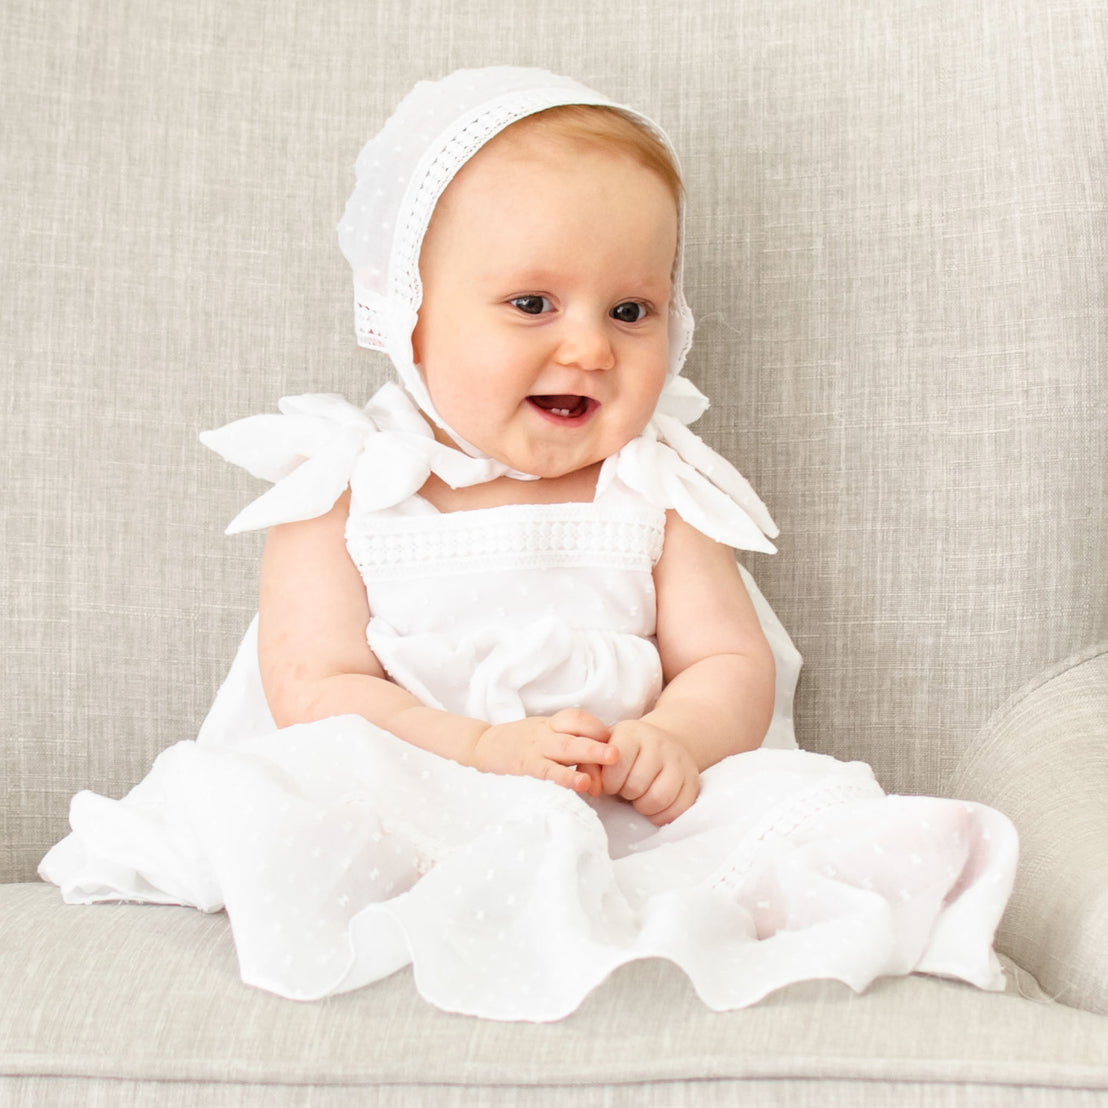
(547, 748)
(654, 771)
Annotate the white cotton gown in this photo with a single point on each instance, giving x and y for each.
(342, 853)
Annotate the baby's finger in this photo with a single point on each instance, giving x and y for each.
(575, 749)
(614, 776)
(567, 776)
(593, 774)
(686, 797)
(576, 721)
(642, 776)
(660, 793)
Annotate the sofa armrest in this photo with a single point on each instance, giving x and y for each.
(1043, 760)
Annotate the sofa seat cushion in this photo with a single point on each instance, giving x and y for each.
(126, 998)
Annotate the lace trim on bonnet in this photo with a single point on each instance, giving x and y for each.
(404, 170)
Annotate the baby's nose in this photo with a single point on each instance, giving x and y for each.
(585, 344)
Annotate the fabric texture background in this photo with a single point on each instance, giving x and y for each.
(931, 1034)
(1054, 731)
(896, 229)
(897, 225)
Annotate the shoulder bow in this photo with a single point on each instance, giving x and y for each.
(320, 443)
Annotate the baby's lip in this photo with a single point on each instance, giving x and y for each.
(564, 409)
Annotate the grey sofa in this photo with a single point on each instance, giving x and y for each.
(898, 256)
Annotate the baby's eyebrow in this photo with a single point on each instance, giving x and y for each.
(538, 280)
(526, 278)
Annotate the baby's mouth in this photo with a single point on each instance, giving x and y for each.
(563, 405)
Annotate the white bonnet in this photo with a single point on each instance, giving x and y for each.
(404, 169)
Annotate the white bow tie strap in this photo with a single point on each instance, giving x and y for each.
(320, 442)
(717, 469)
(660, 473)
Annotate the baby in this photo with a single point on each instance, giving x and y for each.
(510, 711)
(543, 342)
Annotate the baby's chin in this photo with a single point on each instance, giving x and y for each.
(562, 465)
(568, 435)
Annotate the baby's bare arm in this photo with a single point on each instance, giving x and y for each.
(718, 675)
(315, 663)
(717, 668)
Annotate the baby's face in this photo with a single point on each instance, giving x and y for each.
(547, 277)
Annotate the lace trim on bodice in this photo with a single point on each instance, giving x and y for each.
(385, 546)
(790, 819)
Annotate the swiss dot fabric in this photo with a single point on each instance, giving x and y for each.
(342, 853)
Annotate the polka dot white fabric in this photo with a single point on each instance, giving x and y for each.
(342, 853)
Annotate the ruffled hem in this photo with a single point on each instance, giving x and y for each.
(342, 854)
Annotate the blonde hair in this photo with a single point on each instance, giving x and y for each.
(606, 128)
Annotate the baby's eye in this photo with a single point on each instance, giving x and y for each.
(630, 312)
(531, 305)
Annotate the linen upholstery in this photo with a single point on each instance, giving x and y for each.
(897, 227)
(197, 1023)
(1055, 732)
(895, 254)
